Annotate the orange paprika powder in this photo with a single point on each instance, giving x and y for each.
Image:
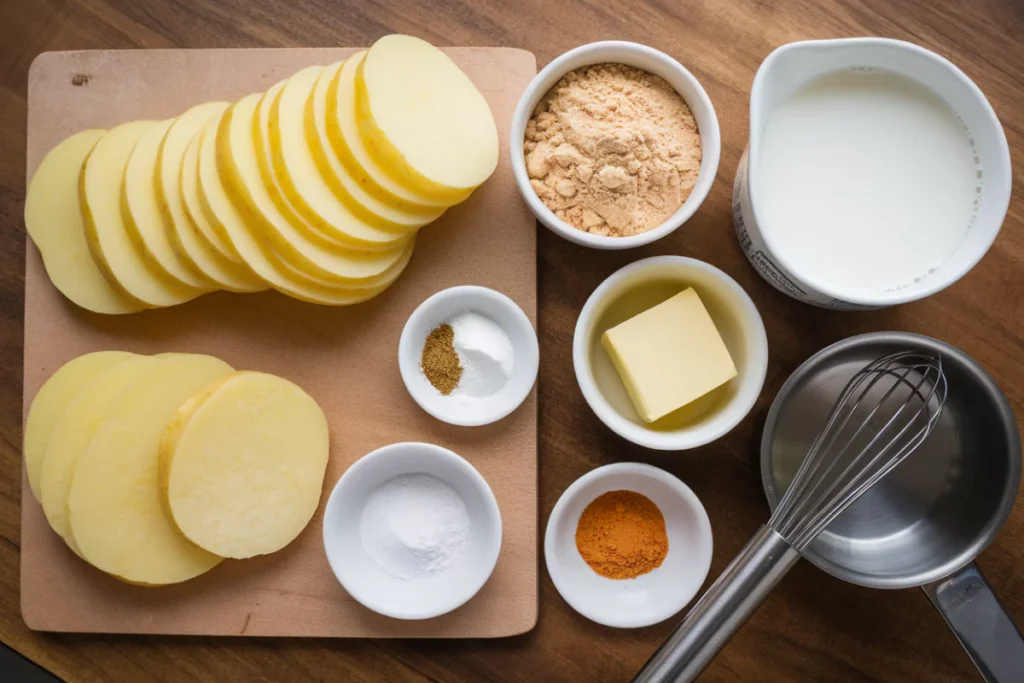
(621, 535)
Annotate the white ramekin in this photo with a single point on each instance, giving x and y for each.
(369, 584)
(649, 598)
(641, 57)
(734, 315)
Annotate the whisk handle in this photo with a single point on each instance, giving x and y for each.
(733, 597)
(981, 624)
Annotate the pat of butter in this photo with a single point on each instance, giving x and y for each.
(669, 355)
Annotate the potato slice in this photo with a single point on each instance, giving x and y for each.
(73, 433)
(423, 118)
(239, 168)
(185, 234)
(116, 517)
(116, 255)
(355, 235)
(338, 124)
(327, 205)
(53, 399)
(144, 217)
(244, 465)
(226, 217)
(53, 218)
(234, 274)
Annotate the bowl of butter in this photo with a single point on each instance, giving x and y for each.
(670, 353)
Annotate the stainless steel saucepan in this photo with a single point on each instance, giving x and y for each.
(923, 524)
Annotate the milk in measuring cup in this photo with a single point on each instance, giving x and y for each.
(869, 180)
(877, 173)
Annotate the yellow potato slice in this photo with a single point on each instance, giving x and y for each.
(225, 216)
(75, 430)
(185, 234)
(354, 236)
(190, 195)
(52, 399)
(116, 255)
(235, 275)
(244, 465)
(116, 517)
(144, 217)
(333, 204)
(53, 218)
(239, 169)
(338, 124)
(423, 118)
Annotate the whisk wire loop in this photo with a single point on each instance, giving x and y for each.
(839, 467)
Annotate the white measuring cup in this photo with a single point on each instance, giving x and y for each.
(792, 66)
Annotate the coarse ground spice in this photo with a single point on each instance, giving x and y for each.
(621, 535)
(440, 361)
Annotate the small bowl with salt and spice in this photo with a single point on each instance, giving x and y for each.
(469, 355)
(412, 531)
(628, 545)
(614, 145)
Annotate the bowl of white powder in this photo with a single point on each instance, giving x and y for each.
(412, 531)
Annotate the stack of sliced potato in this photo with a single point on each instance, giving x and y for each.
(316, 187)
(155, 468)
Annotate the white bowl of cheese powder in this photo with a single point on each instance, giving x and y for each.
(412, 531)
(654, 62)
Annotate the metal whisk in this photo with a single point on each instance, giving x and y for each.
(881, 416)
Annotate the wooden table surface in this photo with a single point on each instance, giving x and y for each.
(813, 627)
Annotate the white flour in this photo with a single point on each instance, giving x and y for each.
(485, 352)
(414, 526)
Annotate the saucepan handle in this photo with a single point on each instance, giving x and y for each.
(743, 585)
(981, 624)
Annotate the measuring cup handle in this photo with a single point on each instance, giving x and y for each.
(733, 597)
(980, 623)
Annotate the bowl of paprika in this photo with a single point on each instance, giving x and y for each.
(628, 545)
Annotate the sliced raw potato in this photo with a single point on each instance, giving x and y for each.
(144, 217)
(353, 235)
(235, 275)
(423, 118)
(53, 218)
(115, 253)
(52, 400)
(330, 206)
(116, 517)
(338, 124)
(239, 169)
(75, 430)
(190, 195)
(184, 234)
(227, 217)
(244, 465)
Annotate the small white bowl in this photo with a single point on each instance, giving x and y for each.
(641, 57)
(368, 583)
(651, 597)
(644, 284)
(443, 306)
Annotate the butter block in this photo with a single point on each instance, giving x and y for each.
(669, 355)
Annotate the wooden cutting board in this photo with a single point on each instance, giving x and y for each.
(346, 358)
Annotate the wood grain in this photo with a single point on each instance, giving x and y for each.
(813, 628)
